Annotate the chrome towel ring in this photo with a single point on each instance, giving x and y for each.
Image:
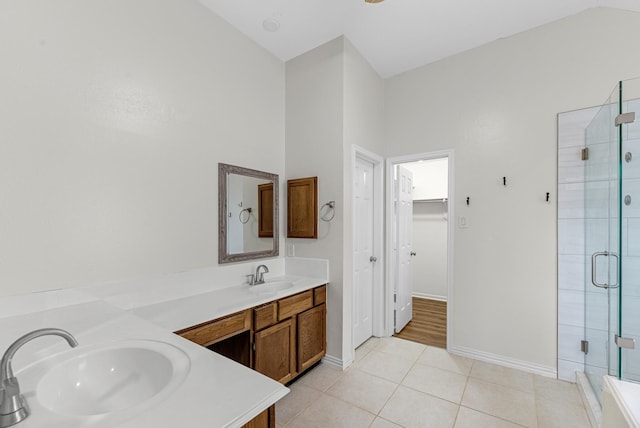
(244, 219)
(328, 211)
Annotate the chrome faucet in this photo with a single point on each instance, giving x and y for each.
(260, 271)
(258, 277)
(13, 406)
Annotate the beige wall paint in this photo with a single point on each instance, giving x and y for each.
(334, 100)
(113, 125)
(363, 127)
(496, 106)
(114, 117)
(314, 127)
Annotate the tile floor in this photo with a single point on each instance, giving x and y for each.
(397, 383)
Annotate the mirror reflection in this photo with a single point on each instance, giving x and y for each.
(248, 210)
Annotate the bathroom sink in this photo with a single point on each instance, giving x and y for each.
(271, 287)
(106, 379)
(278, 285)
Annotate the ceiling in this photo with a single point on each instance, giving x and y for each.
(395, 35)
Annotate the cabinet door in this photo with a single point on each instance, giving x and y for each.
(265, 210)
(312, 343)
(302, 208)
(275, 351)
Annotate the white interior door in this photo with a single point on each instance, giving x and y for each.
(404, 220)
(363, 257)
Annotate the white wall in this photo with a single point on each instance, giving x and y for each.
(314, 127)
(363, 127)
(114, 117)
(496, 106)
(333, 100)
(430, 178)
(429, 228)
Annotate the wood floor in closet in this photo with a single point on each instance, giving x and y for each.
(428, 324)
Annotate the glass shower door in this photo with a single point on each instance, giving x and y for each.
(602, 243)
(612, 238)
(629, 296)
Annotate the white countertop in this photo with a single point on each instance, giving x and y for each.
(216, 392)
(217, 303)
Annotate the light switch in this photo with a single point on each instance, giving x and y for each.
(291, 250)
(463, 222)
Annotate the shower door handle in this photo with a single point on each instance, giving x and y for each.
(594, 258)
(617, 266)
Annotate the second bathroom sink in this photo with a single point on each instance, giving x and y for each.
(106, 379)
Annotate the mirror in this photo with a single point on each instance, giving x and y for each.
(247, 214)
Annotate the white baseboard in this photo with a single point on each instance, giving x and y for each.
(506, 362)
(336, 362)
(430, 296)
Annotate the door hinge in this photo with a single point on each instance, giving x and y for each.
(625, 342)
(395, 296)
(584, 154)
(623, 118)
(584, 346)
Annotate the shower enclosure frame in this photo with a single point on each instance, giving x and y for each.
(612, 225)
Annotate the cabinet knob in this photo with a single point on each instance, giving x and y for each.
(413, 253)
(373, 259)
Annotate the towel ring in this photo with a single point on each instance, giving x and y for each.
(248, 216)
(328, 211)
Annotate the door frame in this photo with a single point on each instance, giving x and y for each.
(378, 311)
(390, 260)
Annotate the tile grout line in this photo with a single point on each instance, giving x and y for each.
(398, 387)
(537, 398)
(466, 382)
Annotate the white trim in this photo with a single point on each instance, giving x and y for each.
(429, 296)
(526, 366)
(378, 238)
(450, 155)
(336, 362)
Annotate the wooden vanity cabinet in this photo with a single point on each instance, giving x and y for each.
(274, 351)
(311, 337)
(229, 336)
(287, 336)
(290, 334)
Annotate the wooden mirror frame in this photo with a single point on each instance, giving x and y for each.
(223, 255)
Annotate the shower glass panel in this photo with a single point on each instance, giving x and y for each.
(601, 243)
(612, 238)
(629, 296)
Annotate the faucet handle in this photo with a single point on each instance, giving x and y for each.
(251, 279)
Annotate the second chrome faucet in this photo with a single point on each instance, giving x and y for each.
(13, 406)
(258, 277)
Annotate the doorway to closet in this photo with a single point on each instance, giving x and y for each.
(421, 277)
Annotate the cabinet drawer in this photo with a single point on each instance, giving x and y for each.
(319, 295)
(216, 330)
(290, 306)
(265, 316)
